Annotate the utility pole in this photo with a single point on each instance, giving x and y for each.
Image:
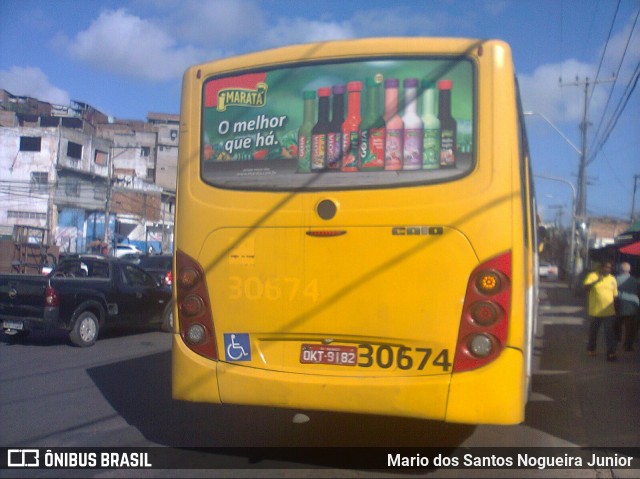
(633, 200)
(109, 192)
(581, 207)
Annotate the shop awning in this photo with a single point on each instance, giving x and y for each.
(633, 249)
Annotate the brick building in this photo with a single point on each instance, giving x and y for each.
(67, 168)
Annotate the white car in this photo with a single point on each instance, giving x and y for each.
(123, 249)
(548, 270)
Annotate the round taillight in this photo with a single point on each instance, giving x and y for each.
(481, 345)
(51, 297)
(196, 333)
(192, 305)
(485, 313)
(189, 277)
(488, 282)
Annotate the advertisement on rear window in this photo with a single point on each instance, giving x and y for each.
(373, 123)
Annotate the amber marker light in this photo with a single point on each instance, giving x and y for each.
(488, 282)
(189, 277)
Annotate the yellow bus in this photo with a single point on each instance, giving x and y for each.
(355, 231)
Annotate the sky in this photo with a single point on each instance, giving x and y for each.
(126, 58)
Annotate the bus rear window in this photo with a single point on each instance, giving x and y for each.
(374, 123)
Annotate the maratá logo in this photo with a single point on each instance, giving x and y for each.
(242, 97)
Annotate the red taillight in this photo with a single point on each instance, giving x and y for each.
(51, 297)
(194, 308)
(485, 314)
(168, 279)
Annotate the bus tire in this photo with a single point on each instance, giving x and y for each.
(85, 329)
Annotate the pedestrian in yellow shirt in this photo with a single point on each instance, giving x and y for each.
(603, 290)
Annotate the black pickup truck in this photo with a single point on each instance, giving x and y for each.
(82, 295)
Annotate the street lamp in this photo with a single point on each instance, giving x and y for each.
(579, 209)
(572, 243)
(564, 137)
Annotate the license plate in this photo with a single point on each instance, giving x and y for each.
(327, 354)
(12, 325)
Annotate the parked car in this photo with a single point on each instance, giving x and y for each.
(159, 266)
(132, 257)
(547, 270)
(122, 249)
(83, 295)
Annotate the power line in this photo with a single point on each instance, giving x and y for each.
(606, 45)
(601, 140)
(581, 208)
(624, 100)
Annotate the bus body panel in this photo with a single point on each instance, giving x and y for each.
(193, 377)
(393, 285)
(388, 282)
(493, 394)
(423, 397)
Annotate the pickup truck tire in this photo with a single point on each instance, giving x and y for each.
(85, 329)
(167, 318)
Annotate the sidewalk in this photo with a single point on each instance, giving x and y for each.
(597, 402)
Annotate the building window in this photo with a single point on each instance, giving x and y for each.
(174, 135)
(145, 151)
(99, 193)
(74, 150)
(100, 158)
(39, 181)
(72, 188)
(49, 121)
(30, 143)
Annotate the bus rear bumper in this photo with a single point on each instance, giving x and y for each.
(419, 397)
(198, 379)
(493, 394)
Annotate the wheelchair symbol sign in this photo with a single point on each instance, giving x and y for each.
(237, 347)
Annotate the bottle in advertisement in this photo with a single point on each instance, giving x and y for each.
(431, 133)
(319, 132)
(372, 131)
(448, 126)
(304, 133)
(412, 139)
(351, 128)
(334, 137)
(393, 141)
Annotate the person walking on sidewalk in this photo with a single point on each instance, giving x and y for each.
(628, 305)
(603, 290)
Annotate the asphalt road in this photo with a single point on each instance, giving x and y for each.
(117, 394)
